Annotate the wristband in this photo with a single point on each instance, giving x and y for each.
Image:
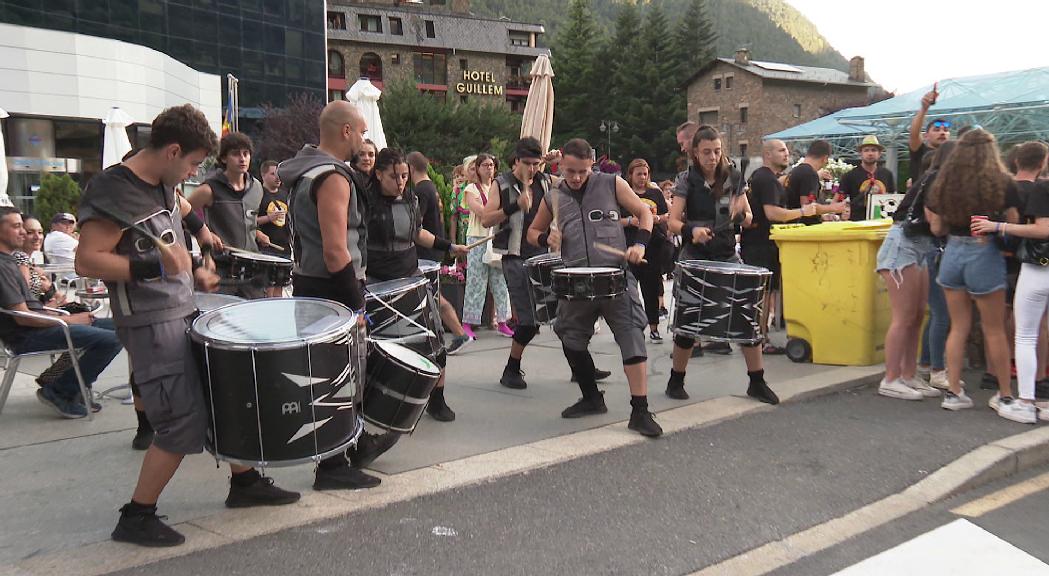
(510, 209)
(193, 222)
(147, 269)
(441, 244)
(642, 237)
(544, 240)
(198, 262)
(206, 249)
(686, 232)
(349, 287)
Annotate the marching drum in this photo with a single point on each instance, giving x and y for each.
(280, 379)
(398, 386)
(591, 283)
(719, 301)
(540, 285)
(432, 271)
(207, 301)
(261, 269)
(416, 312)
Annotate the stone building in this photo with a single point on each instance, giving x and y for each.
(436, 44)
(746, 99)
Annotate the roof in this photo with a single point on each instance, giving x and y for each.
(826, 127)
(787, 72)
(453, 31)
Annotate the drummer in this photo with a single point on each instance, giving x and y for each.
(587, 206)
(395, 232)
(230, 198)
(152, 292)
(708, 232)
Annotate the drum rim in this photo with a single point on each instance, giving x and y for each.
(541, 258)
(358, 429)
(284, 345)
(412, 282)
(603, 270)
(258, 256)
(230, 300)
(747, 270)
(376, 342)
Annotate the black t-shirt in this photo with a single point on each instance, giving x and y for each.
(276, 229)
(1035, 199)
(14, 291)
(917, 158)
(765, 190)
(802, 182)
(858, 182)
(702, 209)
(651, 197)
(918, 192)
(426, 192)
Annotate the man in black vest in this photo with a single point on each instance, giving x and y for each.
(230, 199)
(587, 206)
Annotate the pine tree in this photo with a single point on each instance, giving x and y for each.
(664, 106)
(574, 50)
(622, 64)
(695, 40)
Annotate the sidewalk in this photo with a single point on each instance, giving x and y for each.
(66, 479)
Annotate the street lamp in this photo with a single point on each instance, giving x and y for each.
(608, 127)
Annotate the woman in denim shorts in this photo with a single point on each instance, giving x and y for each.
(973, 185)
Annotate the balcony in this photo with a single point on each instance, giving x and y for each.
(515, 82)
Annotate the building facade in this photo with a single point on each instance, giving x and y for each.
(435, 44)
(746, 99)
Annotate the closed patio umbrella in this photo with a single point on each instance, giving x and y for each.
(116, 143)
(365, 96)
(538, 120)
(5, 200)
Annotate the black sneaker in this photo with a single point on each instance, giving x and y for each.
(654, 336)
(440, 411)
(676, 390)
(458, 343)
(663, 312)
(762, 392)
(644, 422)
(371, 446)
(513, 379)
(343, 478)
(263, 492)
(65, 408)
(586, 407)
(599, 375)
(722, 348)
(145, 528)
(143, 440)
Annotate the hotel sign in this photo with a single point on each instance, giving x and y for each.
(477, 82)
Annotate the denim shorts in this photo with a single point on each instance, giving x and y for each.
(972, 263)
(899, 251)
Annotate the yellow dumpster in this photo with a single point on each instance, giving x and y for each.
(835, 304)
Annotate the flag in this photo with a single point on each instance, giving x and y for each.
(227, 121)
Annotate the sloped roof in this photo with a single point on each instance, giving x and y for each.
(788, 72)
(826, 127)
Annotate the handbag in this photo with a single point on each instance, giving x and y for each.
(914, 222)
(1034, 252)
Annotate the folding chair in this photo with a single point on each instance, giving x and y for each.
(12, 359)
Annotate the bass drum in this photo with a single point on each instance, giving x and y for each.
(398, 387)
(541, 285)
(719, 301)
(416, 323)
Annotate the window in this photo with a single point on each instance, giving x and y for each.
(797, 110)
(431, 68)
(517, 104)
(743, 115)
(518, 38)
(336, 21)
(743, 150)
(431, 32)
(462, 63)
(370, 23)
(717, 84)
(336, 95)
(728, 82)
(396, 26)
(709, 118)
(371, 66)
(336, 66)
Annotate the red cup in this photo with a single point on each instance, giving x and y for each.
(976, 218)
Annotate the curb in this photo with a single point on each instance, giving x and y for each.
(993, 461)
(230, 526)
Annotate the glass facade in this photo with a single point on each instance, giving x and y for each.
(274, 47)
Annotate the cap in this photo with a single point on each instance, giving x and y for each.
(871, 140)
(63, 217)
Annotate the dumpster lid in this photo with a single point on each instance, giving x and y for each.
(833, 231)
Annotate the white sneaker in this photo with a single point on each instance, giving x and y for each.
(1043, 410)
(1022, 412)
(952, 401)
(898, 389)
(938, 379)
(922, 387)
(994, 402)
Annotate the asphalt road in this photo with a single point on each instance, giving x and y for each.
(669, 506)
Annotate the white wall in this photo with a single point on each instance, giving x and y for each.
(49, 73)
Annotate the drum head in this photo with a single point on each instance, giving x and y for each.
(429, 266)
(723, 267)
(273, 321)
(397, 286)
(259, 256)
(589, 270)
(543, 258)
(207, 302)
(408, 357)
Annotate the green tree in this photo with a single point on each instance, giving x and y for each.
(57, 193)
(695, 40)
(574, 50)
(665, 105)
(621, 64)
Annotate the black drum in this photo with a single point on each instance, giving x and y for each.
(264, 270)
(590, 283)
(540, 285)
(398, 386)
(432, 271)
(208, 301)
(719, 301)
(416, 322)
(281, 379)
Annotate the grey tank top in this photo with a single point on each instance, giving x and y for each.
(232, 214)
(590, 216)
(307, 246)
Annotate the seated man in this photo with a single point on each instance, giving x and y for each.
(96, 338)
(60, 244)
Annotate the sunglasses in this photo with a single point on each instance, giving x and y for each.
(939, 124)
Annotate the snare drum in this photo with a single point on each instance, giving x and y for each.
(588, 283)
(432, 271)
(411, 298)
(398, 386)
(540, 285)
(280, 379)
(261, 269)
(719, 301)
(208, 301)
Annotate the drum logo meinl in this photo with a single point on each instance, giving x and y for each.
(481, 83)
(290, 408)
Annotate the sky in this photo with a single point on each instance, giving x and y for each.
(907, 44)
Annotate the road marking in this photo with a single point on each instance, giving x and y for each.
(1003, 497)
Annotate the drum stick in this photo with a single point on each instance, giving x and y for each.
(616, 251)
(276, 246)
(477, 243)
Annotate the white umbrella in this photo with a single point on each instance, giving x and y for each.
(538, 118)
(5, 200)
(116, 143)
(365, 96)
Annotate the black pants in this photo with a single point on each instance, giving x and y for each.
(650, 278)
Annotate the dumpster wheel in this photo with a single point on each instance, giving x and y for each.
(799, 350)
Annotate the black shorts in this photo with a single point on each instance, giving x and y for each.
(765, 255)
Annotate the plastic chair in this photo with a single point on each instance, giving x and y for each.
(12, 359)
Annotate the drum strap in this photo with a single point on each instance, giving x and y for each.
(429, 333)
